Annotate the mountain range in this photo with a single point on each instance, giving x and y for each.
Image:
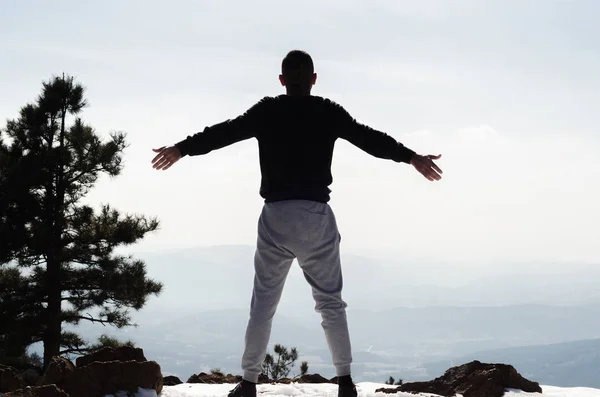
(407, 319)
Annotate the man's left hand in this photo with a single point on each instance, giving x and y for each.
(426, 166)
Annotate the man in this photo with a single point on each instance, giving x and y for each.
(296, 133)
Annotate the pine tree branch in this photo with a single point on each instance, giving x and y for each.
(77, 350)
(72, 299)
(88, 318)
(77, 176)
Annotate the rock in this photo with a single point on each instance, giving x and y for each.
(98, 379)
(388, 390)
(9, 379)
(31, 377)
(38, 391)
(214, 378)
(474, 379)
(197, 378)
(314, 378)
(121, 353)
(57, 371)
(309, 378)
(171, 381)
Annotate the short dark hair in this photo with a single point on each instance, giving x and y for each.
(297, 68)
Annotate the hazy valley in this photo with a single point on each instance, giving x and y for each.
(403, 321)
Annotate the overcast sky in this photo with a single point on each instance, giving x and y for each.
(508, 91)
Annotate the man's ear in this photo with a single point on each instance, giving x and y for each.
(314, 79)
(282, 80)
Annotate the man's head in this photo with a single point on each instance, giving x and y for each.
(297, 73)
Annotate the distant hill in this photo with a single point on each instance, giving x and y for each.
(567, 364)
(220, 277)
(402, 314)
(385, 342)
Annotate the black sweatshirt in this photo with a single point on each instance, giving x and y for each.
(296, 136)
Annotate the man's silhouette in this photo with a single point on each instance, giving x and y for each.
(296, 133)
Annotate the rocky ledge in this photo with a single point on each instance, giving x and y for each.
(126, 369)
(474, 379)
(96, 375)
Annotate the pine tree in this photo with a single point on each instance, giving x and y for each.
(280, 364)
(57, 255)
(304, 368)
(392, 381)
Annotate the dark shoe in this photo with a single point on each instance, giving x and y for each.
(346, 388)
(243, 389)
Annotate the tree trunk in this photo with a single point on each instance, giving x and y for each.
(52, 287)
(52, 334)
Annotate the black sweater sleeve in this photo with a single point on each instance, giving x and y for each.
(226, 133)
(372, 141)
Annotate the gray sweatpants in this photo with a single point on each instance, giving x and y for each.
(306, 230)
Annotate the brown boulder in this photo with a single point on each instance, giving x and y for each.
(121, 353)
(171, 381)
(218, 378)
(38, 391)
(31, 377)
(474, 379)
(9, 379)
(57, 371)
(308, 378)
(214, 378)
(98, 379)
(314, 378)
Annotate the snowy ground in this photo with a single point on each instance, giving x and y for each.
(330, 390)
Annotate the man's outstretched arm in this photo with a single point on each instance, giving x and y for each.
(212, 138)
(382, 145)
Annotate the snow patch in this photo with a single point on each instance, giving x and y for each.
(365, 389)
(140, 393)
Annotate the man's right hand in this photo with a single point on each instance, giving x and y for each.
(426, 166)
(166, 157)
